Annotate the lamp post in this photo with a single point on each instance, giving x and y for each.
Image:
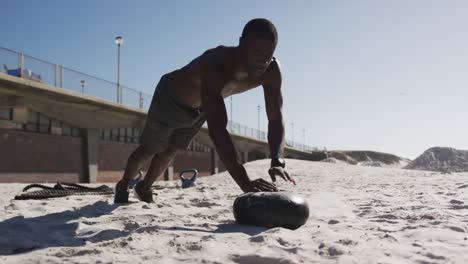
(83, 84)
(292, 129)
(303, 139)
(258, 118)
(258, 122)
(231, 115)
(119, 42)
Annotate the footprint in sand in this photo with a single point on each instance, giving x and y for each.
(208, 238)
(386, 216)
(130, 226)
(77, 253)
(199, 203)
(283, 242)
(11, 207)
(205, 216)
(330, 250)
(456, 229)
(259, 259)
(193, 246)
(266, 238)
(432, 256)
(456, 202)
(346, 242)
(365, 210)
(388, 237)
(257, 239)
(459, 207)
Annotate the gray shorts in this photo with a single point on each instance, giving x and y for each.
(168, 122)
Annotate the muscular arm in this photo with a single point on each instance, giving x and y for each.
(215, 75)
(274, 104)
(215, 110)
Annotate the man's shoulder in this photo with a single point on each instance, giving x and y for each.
(218, 59)
(219, 54)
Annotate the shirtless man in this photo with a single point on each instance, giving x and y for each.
(184, 99)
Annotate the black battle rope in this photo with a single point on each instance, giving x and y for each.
(62, 189)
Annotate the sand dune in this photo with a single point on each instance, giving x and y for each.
(443, 159)
(358, 214)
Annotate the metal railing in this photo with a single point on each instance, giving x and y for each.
(25, 66)
(246, 131)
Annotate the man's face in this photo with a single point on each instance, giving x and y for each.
(258, 54)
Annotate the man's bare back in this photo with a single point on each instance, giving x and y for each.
(187, 82)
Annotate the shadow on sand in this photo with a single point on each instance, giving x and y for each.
(20, 234)
(221, 229)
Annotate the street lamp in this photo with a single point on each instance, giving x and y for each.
(292, 129)
(231, 115)
(258, 119)
(258, 122)
(303, 139)
(119, 42)
(83, 84)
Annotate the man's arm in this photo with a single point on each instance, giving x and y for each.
(215, 110)
(274, 105)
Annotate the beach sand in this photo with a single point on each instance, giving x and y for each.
(358, 214)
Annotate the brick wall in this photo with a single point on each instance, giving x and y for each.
(113, 158)
(189, 159)
(33, 157)
(30, 157)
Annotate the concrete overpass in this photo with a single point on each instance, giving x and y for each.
(95, 114)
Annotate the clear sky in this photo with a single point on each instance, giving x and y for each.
(389, 76)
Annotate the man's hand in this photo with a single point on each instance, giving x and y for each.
(279, 171)
(259, 185)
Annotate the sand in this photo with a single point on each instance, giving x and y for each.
(358, 214)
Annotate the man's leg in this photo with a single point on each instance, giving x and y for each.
(135, 162)
(159, 164)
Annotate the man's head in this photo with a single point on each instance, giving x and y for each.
(257, 43)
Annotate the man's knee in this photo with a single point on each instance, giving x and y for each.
(142, 153)
(170, 152)
(165, 156)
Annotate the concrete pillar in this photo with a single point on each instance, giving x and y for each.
(246, 156)
(169, 173)
(214, 161)
(19, 118)
(92, 149)
(20, 114)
